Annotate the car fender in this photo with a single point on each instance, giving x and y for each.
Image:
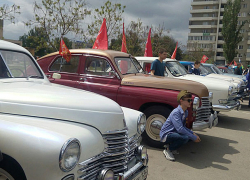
(29, 140)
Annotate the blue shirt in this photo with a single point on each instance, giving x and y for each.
(176, 123)
(196, 71)
(158, 67)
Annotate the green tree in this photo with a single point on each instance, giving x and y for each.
(231, 29)
(38, 40)
(113, 15)
(8, 12)
(58, 18)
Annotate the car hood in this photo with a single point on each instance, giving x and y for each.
(59, 102)
(223, 77)
(210, 83)
(144, 80)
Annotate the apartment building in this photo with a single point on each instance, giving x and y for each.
(205, 27)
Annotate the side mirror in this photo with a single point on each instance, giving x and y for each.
(56, 76)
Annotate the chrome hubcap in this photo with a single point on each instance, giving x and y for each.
(153, 126)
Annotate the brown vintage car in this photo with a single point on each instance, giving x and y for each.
(120, 77)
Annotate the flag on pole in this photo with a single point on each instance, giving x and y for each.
(124, 46)
(175, 51)
(64, 51)
(204, 59)
(148, 49)
(101, 41)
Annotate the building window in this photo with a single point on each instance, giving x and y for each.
(240, 47)
(244, 6)
(240, 55)
(248, 54)
(244, 14)
(206, 7)
(248, 47)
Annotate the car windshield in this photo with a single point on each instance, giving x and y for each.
(17, 65)
(175, 68)
(216, 69)
(204, 70)
(128, 65)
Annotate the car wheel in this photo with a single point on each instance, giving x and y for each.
(10, 169)
(156, 117)
(4, 175)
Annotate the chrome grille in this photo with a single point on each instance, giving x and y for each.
(204, 111)
(116, 156)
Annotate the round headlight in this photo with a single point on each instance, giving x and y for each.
(141, 123)
(69, 155)
(196, 103)
(230, 90)
(106, 174)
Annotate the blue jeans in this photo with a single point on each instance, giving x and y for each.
(176, 140)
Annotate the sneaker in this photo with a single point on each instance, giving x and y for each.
(168, 155)
(175, 152)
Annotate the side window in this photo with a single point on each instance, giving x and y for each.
(98, 66)
(61, 65)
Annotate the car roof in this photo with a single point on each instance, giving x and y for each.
(150, 59)
(186, 62)
(109, 53)
(11, 46)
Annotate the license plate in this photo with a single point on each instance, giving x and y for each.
(142, 175)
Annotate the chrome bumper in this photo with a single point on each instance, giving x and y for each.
(227, 107)
(200, 125)
(139, 171)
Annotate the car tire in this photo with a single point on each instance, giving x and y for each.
(156, 117)
(10, 169)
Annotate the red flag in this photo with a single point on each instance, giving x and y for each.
(235, 63)
(204, 59)
(64, 51)
(101, 41)
(175, 51)
(124, 49)
(148, 48)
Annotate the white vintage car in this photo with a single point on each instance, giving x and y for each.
(223, 91)
(54, 132)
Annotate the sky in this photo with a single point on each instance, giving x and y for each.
(173, 14)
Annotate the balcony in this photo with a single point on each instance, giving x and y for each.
(219, 49)
(202, 26)
(204, 3)
(220, 42)
(220, 58)
(203, 18)
(248, 42)
(248, 50)
(203, 11)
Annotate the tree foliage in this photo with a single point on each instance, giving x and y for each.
(231, 29)
(136, 38)
(37, 39)
(113, 15)
(58, 18)
(8, 12)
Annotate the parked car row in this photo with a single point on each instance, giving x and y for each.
(84, 119)
(120, 77)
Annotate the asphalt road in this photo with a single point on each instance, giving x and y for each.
(223, 153)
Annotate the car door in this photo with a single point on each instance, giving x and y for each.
(67, 70)
(98, 75)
